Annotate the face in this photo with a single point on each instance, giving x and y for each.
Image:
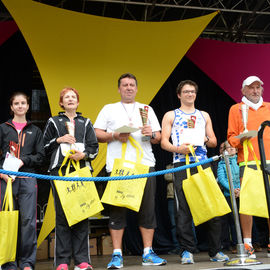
(231, 150)
(127, 90)
(253, 92)
(70, 101)
(188, 94)
(19, 106)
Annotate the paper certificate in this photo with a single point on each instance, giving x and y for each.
(126, 129)
(11, 163)
(192, 136)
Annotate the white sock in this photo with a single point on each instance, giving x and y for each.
(146, 250)
(248, 241)
(118, 250)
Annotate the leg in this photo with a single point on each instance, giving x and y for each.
(63, 242)
(80, 238)
(171, 212)
(147, 236)
(117, 223)
(246, 224)
(214, 236)
(117, 236)
(183, 215)
(27, 201)
(15, 187)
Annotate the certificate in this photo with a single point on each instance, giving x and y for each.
(193, 136)
(126, 129)
(11, 163)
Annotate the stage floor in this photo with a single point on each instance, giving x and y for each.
(134, 262)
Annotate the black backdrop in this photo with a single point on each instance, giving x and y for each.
(16, 74)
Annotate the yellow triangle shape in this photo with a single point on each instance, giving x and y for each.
(90, 52)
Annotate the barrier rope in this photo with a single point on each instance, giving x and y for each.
(97, 179)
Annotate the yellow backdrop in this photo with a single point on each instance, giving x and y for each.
(90, 52)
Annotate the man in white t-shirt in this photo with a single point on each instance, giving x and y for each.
(114, 116)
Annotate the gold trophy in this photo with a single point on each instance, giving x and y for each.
(71, 131)
(144, 116)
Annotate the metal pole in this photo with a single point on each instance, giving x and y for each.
(242, 257)
(265, 168)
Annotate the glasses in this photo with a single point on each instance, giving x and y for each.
(189, 92)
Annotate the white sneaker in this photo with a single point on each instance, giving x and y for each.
(187, 258)
(219, 257)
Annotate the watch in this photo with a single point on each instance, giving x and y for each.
(154, 135)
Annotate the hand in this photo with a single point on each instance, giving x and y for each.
(146, 130)
(122, 137)
(78, 155)
(245, 138)
(184, 149)
(5, 178)
(237, 192)
(66, 139)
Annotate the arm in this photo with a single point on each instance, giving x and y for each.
(91, 143)
(147, 131)
(50, 136)
(106, 137)
(222, 176)
(210, 139)
(167, 122)
(234, 126)
(153, 128)
(38, 153)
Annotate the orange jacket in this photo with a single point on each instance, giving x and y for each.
(255, 118)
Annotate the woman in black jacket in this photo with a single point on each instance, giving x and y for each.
(70, 130)
(24, 140)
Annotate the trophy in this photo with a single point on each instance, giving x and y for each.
(71, 131)
(144, 116)
(244, 110)
(246, 133)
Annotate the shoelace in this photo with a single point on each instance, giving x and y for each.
(153, 254)
(115, 257)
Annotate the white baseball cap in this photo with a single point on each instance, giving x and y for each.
(251, 79)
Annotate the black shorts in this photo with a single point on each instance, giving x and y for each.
(146, 214)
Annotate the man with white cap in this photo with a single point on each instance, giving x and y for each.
(258, 112)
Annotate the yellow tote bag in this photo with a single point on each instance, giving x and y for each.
(127, 193)
(79, 199)
(203, 195)
(8, 227)
(252, 192)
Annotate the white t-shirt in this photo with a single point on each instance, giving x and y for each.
(116, 115)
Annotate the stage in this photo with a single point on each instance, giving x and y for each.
(134, 262)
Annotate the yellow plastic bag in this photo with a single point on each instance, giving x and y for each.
(79, 199)
(127, 193)
(203, 195)
(252, 192)
(8, 227)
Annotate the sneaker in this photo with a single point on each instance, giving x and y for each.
(62, 266)
(268, 251)
(152, 259)
(83, 266)
(187, 258)
(116, 262)
(250, 251)
(219, 257)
